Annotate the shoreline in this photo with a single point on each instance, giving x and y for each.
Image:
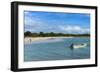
(33, 39)
(28, 40)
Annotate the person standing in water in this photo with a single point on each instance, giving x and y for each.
(30, 40)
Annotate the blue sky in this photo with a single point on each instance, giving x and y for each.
(77, 23)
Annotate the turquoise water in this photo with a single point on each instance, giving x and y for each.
(56, 49)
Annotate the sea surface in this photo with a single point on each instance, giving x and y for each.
(56, 49)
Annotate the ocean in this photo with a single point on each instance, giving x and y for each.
(56, 49)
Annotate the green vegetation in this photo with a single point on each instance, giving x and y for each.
(52, 34)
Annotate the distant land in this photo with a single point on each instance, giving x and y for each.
(53, 34)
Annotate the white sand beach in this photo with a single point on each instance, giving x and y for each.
(32, 39)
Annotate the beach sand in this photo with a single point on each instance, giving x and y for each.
(33, 39)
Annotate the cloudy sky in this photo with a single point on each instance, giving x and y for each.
(77, 23)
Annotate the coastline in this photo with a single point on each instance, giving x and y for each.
(33, 39)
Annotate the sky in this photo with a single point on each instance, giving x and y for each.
(58, 22)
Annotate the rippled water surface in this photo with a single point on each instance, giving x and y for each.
(56, 49)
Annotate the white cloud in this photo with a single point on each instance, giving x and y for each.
(36, 24)
(26, 12)
(74, 29)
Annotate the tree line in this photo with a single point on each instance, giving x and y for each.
(51, 34)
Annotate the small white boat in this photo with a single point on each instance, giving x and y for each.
(76, 46)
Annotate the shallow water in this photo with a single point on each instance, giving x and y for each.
(56, 49)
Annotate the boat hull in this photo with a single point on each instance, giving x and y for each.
(79, 46)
